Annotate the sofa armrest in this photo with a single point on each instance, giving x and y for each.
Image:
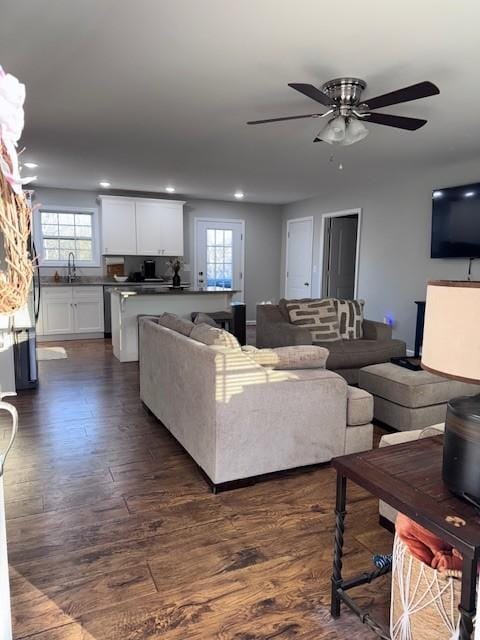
(376, 330)
(274, 331)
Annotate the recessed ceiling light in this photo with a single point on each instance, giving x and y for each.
(104, 184)
(469, 194)
(437, 194)
(170, 189)
(30, 165)
(239, 195)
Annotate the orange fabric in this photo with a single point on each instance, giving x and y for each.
(427, 547)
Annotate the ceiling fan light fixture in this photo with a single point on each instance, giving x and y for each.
(355, 132)
(334, 130)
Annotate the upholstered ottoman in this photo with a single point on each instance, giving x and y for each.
(405, 399)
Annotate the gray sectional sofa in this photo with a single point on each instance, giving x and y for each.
(347, 357)
(239, 419)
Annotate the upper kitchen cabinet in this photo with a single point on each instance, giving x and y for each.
(142, 226)
(119, 236)
(159, 228)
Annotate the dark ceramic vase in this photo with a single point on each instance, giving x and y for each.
(176, 279)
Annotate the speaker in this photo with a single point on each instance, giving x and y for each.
(461, 449)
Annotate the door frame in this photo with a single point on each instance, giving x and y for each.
(289, 222)
(321, 261)
(196, 222)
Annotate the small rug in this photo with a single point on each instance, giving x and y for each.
(51, 353)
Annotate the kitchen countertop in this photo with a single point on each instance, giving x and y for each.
(153, 291)
(83, 281)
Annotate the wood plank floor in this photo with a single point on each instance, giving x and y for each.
(114, 535)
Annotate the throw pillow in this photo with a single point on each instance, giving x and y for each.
(214, 337)
(350, 318)
(203, 318)
(175, 323)
(318, 316)
(283, 358)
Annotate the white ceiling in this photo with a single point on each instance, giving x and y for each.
(150, 92)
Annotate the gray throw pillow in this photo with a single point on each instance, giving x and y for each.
(214, 337)
(175, 323)
(203, 318)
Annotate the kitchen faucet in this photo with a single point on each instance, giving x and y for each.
(72, 269)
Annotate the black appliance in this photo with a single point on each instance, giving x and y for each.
(456, 222)
(149, 268)
(24, 335)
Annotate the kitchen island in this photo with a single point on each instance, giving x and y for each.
(128, 304)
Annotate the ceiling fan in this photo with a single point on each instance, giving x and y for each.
(343, 98)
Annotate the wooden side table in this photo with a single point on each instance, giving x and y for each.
(408, 476)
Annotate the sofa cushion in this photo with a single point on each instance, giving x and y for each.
(298, 357)
(214, 337)
(353, 354)
(318, 316)
(359, 406)
(350, 317)
(180, 325)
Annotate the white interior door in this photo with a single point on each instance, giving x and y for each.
(219, 254)
(298, 281)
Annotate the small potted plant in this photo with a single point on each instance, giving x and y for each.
(175, 265)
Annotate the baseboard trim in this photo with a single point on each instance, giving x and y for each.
(71, 336)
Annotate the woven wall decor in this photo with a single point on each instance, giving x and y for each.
(15, 226)
(16, 268)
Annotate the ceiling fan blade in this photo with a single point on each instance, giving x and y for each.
(310, 115)
(407, 94)
(400, 122)
(312, 92)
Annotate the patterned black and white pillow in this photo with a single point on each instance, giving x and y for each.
(350, 318)
(318, 316)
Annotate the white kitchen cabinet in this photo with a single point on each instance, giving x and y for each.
(56, 311)
(87, 309)
(119, 236)
(71, 310)
(159, 228)
(141, 226)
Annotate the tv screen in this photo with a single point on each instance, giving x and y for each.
(456, 222)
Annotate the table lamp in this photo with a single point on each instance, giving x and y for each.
(451, 348)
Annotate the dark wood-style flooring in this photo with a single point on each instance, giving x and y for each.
(114, 535)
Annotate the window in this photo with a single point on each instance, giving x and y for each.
(61, 231)
(219, 258)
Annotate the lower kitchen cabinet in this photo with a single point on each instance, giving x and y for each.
(71, 310)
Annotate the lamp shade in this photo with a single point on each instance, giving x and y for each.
(451, 339)
(334, 131)
(356, 131)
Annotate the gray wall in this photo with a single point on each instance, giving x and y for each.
(395, 238)
(263, 236)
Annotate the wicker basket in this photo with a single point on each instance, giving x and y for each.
(424, 602)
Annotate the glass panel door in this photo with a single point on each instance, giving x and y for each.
(219, 255)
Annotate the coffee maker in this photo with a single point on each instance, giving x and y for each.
(149, 268)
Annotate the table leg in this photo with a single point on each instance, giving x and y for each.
(338, 543)
(468, 597)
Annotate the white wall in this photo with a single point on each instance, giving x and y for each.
(395, 238)
(263, 236)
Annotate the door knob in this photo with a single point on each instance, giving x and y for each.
(307, 284)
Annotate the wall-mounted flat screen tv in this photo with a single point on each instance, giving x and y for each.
(456, 222)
